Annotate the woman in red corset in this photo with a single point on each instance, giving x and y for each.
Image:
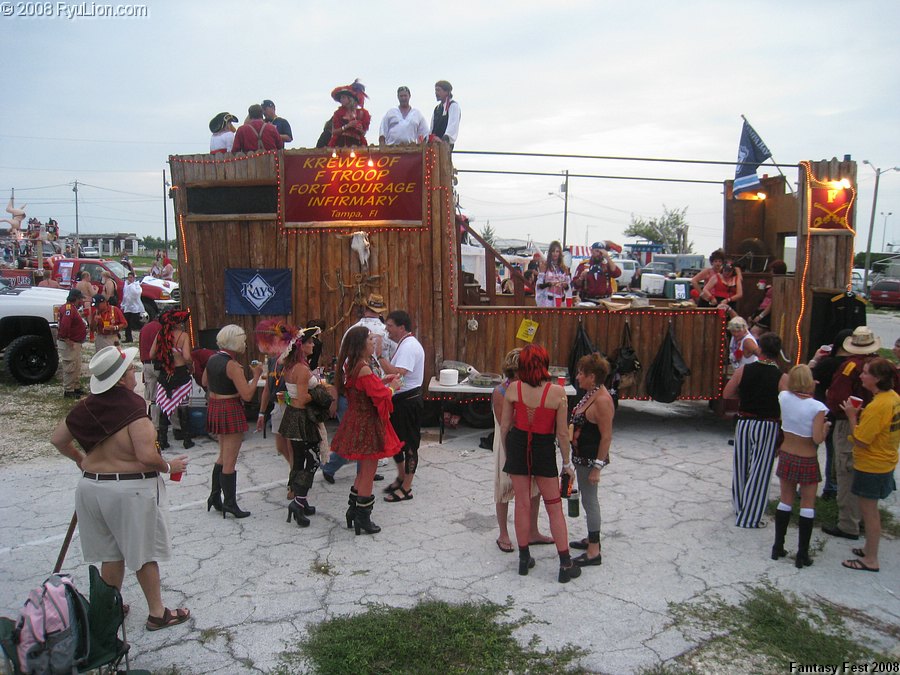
(365, 433)
(350, 122)
(534, 412)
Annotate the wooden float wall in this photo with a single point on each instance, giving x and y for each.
(409, 267)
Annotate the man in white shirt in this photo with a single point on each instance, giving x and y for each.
(132, 306)
(408, 362)
(403, 124)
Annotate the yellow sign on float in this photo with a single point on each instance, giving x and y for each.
(527, 330)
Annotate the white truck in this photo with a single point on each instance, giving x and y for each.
(28, 323)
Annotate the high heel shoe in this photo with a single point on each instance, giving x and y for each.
(295, 511)
(351, 510)
(229, 488)
(566, 574)
(307, 508)
(362, 516)
(215, 492)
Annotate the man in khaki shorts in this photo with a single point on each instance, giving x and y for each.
(120, 500)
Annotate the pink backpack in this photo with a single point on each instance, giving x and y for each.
(52, 632)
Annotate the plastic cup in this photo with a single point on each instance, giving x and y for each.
(856, 401)
(280, 397)
(561, 381)
(176, 476)
(558, 302)
(825, 349)
(568, 302)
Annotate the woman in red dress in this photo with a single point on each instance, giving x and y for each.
(365, 433)
(350, 122)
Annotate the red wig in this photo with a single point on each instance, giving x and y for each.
(533, 364)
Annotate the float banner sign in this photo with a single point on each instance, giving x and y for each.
(344, 191)
(256, 291)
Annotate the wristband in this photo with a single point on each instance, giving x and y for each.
(568, 465)
(168, 468)
(262, 414)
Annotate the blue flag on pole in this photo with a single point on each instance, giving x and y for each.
(751, 153)
(255, 291)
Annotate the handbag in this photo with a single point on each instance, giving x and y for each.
(627, 362)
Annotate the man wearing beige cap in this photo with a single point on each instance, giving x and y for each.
(863, 346)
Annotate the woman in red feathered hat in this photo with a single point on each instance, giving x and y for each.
(350, 122)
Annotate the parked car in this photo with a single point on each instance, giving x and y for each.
(28, 323)
(90, 252)
(885, 293)
(628, 268)
(26, 257)
(658, 267)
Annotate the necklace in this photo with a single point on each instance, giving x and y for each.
(585, 400)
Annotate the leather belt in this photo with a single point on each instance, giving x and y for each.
(119, 476)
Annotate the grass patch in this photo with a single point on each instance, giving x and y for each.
(326, 569)
(430, 637)
(827, 514)
(773, 626)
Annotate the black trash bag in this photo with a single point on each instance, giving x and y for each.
(582, 347)
(667, 372)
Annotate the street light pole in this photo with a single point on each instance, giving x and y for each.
(884, 229)
(878, 173)
(77, 235)
(565, 189)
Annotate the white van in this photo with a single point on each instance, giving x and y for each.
(628, 268)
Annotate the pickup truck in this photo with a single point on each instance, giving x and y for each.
(156, 294)
(28, 322)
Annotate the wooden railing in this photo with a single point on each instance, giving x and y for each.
(491, 258)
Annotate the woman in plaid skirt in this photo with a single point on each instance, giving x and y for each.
(224, 377)
(804, 426)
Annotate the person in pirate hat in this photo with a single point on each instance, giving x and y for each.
(222, 128)
(350, 121)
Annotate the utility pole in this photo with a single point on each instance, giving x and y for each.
(878, 173)
(565, 188)
(884, 229)
(77, 235)
(165, 213)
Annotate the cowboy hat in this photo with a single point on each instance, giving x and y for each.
(863, 341)
(375, 303)
(108, 366)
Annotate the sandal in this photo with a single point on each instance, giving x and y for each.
(393, 487)
(858, 552)
(859, 565)
(506, 548)
(402, 497)
(169, 618)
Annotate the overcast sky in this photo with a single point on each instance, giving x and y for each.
(105, 101)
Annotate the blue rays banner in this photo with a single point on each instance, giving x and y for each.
(256, 291)
(751, 153)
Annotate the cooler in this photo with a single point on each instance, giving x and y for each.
(678, 289)
(653, 284)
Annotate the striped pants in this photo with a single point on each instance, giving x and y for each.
(754, 454)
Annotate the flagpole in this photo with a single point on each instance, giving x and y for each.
(771, 157)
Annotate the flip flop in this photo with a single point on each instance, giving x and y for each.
(504, 548)
(858, 552)
(393, 487)
(169, 618)
(859, 565)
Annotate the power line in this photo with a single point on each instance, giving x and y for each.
(124, 192)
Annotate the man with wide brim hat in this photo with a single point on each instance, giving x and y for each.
(70, 336)
(376, 304)
(863, 346)
(120, 500)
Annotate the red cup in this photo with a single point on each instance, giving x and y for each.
(558, 301)
(568, 302)
(176, 476)
(856, 401)
(561, 381)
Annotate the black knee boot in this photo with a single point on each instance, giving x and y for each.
(229, 503)
(567, 569)
(296, 511)
(362, 516)
(184, 417)
(215, 491)
(351, 503)
(782, 519)
(301, 483)
(526, 562)
(162, 434)
(806, 527)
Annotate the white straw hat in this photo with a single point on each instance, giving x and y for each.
(108, 366)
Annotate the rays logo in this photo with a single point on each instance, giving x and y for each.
(257, 291)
